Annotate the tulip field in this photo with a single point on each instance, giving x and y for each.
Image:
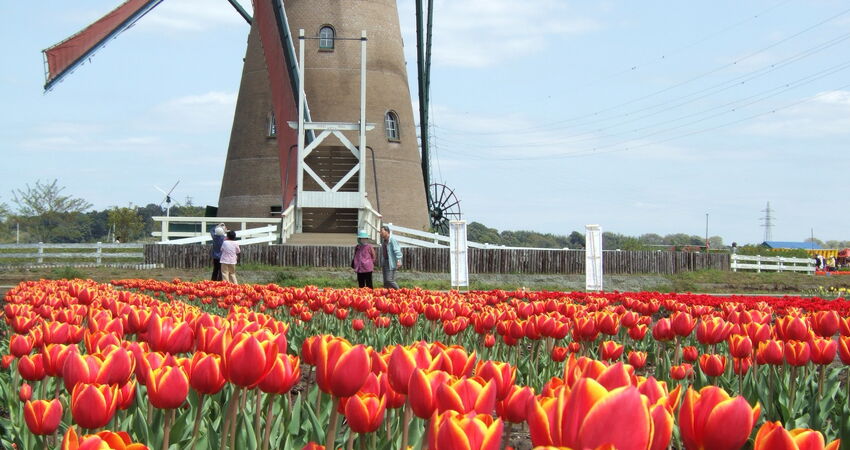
(137, 364)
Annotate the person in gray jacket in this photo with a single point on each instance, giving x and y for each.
(217, 239)
(390, 257)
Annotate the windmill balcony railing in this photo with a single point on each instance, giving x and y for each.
(193, 230)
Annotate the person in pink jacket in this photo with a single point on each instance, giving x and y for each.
(364, 260)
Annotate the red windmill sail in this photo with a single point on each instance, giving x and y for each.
(65, 56)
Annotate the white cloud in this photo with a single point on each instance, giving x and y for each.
(825, 114)
(210, 111)
(482, 33)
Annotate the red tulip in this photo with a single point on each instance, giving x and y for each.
(844, 349)
(638, 332)
(25, 392)
(171, 335)
(797, 353)
(452, 430)
(663, 330)
(20, 345)
(825, 323)
(713, 331)
(637, 359)
(117, 366)
(93, 405)
(31, 368)
(710, 419)
(740, 346)
(823, 350)
(365, 412)
(54, 357)
(340, 368)
(404, 360)
(514, 407)
(559, 354)
(690, 353)
(682, 323)
(422, 391)
(168, 387)
(610, 350)
(283, 376)
(6, 361)
(205, 373)
(741, 365)
(770, 352)
(42, 416)
(712, 365)
(126, 395)
(681, 371)
(791, 328)
(247, 360)
(590, 416)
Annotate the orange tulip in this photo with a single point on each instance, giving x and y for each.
(797, 353)
(467, 395)
(93, 405)
(710, 419)
(101, 441)
(168, 387)
(772, 436)
(589, 416)
(452, 430)
(42, 416)
(422, 391)
(503, 374)
(365, 412)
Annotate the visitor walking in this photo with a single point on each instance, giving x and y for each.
(217, 239)
(229, 250)
(364, 260)
(390, 257)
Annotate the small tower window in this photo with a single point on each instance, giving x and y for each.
(326, 38)
(391, 123)
(271, 126)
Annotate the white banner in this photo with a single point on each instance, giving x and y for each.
(458, 253)
(593, 258)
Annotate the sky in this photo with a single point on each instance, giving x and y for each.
(643, 117)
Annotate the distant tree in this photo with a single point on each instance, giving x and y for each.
(837, 244)
(188, 209)
(575, 240)
(127, 222)
(98, 225)
(715, 242)
(683, 239)
(651, 239)
(816, 241)
(49, 216)
(477, 232)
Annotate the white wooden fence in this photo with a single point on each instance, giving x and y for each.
(408, 237)
(267, 233)
(70, 251)
(771, 263)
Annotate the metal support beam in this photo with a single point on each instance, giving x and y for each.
(241, 11)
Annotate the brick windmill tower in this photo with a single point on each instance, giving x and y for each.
(261, 173)
(341, 170)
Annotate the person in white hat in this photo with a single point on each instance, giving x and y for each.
(363, 262)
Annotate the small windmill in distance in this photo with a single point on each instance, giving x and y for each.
(167, 199)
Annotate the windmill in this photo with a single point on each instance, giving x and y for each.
(167, 200)
(261, 170)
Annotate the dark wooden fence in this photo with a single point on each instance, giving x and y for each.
(437, 259)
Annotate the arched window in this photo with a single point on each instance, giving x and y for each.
(391, 123)
(326, 38)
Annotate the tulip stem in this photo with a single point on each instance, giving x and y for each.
(349, 445)
(258, 407)
(269, 419)
(169, 419)
(234, 425)
(234, 399)
(198, 416)
(405, 430)
(822, 369)
(331, 439)
(318, 399)
(791, 392)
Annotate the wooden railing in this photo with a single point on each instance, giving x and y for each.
(83, 251)
(203, 225)
(771, 263)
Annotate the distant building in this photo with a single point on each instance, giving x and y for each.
(776, 245)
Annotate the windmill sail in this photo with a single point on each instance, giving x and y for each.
(62, 58)
(279, 50)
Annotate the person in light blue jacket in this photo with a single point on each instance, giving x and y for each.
(390, 257)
